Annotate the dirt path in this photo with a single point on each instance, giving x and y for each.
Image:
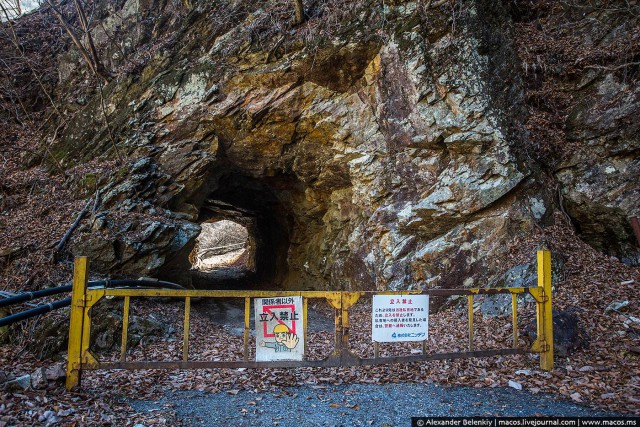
(355, 405)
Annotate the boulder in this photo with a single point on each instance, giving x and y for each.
(17, 384)
(523, 275)
(568, 333)
(526, 275)
(56, 372)
(39, 379)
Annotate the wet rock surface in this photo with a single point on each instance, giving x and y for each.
(569, 333)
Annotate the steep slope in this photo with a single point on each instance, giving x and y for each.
(375, 146)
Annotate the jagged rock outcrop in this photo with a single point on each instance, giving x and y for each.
(581, 63)
(600, 181)
(385, 157)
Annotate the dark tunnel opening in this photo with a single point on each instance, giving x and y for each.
(253, 204)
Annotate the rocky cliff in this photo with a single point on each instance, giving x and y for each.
(377, 146)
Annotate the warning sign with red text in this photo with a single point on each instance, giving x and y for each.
(400, 318)
(279, 329)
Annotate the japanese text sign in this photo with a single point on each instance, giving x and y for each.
(279, 329)
(397, 318)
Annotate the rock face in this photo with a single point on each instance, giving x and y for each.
(52, 336)
(364, 162)
(600, 182)
(583, 96)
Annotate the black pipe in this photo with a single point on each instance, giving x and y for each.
(45, 308)
(41, 309)
(28, 296)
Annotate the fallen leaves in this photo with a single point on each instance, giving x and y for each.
(604, 374)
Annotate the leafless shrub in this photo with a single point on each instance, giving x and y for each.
(27, 77)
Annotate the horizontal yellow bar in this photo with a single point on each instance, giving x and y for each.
(193, 293)
(504, 290)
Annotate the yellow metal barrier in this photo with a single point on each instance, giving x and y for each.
(80, 357)
(544, 313)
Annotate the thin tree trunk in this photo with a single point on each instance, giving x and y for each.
(299, 12)
(95, 67)
(92, 48)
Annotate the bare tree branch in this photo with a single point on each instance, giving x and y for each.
(92, 60)
(618, 67)
(433, 4)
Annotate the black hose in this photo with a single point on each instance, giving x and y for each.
(41, 309)
(28, 296)
(45, 308)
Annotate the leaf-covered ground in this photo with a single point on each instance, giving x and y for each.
(605, 374)
(37, 207)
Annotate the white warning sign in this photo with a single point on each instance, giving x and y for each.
(397, 318)
(279, 329)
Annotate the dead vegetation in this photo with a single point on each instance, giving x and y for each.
(37, 206)
(566, 46)
(604, 374)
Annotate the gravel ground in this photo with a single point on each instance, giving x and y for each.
(356, 405)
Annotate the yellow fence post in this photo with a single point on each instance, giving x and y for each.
(247, 326)
(514, 318)
(470, 315)
(544, 313)
(305, 326)
(125, 329)
(76, 319)
(185, 330)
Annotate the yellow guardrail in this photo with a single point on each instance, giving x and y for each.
(83, 299)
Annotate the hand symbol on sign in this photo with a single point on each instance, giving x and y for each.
(291, 340)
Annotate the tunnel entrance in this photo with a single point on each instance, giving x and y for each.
(245, 235)
(223, 251)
